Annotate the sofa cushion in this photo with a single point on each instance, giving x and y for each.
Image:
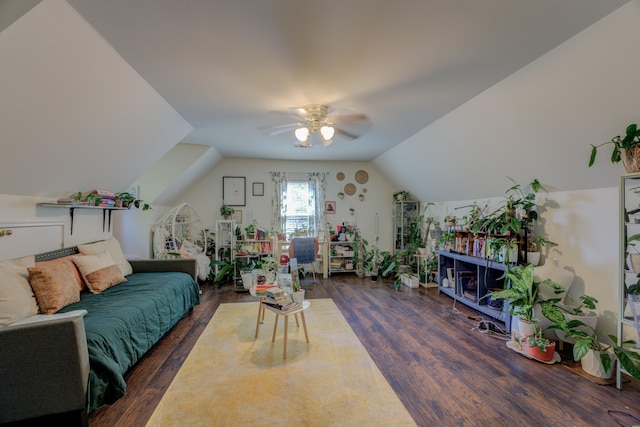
(79, 281)
(112, 246)
(99, 271)
(54, 285)
(17, 300)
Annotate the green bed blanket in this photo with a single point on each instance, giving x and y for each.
(125, 321)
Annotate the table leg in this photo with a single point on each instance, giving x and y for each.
(260, 309)
(275, 327)
(304, 325)
(286, 332)
(297, 322)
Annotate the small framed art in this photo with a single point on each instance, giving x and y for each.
(329, 207)
(258, 188)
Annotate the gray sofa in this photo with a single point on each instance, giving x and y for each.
(70, 363)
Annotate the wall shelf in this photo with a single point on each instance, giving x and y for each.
(106, 212)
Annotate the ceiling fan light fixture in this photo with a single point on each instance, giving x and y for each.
(302, 134)
(327, 132)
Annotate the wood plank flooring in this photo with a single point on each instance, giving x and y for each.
(443, 369)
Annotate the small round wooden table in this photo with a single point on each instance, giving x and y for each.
(286, 314)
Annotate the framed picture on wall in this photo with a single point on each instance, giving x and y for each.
(258, 188)
(234, 190)
(329, 207)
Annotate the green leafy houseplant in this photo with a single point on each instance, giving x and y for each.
(401, 195)
(622, 147)
(226, 211)
(251, 228)
(522, 294)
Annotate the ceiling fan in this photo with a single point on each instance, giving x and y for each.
(323, 121)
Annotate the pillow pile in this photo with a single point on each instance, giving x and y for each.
(112, 246)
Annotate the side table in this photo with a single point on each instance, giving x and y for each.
(305, 305)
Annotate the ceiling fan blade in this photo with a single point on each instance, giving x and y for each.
(279, 129)
(345, 133)
(350, 118)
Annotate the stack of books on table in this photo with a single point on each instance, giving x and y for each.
(276, 298)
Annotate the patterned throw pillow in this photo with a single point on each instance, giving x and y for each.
(54, 285)
(99, 271)
(81, 285)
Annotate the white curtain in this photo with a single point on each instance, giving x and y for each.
(278, 201)
(317, 190)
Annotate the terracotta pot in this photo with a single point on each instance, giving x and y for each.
(535, 352)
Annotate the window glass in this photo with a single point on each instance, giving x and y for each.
(298, 207)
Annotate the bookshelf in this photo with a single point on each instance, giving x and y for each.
(470, 278)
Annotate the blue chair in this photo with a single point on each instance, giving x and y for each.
(305, 250)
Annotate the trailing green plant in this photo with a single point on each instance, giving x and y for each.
(537, 340)
(127, 200)
(225, 271)
(620, 144)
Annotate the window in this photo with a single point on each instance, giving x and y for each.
(298, 208)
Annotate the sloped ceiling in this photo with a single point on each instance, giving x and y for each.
(74, 115)
(108, 86)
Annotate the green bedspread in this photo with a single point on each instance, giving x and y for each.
(125, 321)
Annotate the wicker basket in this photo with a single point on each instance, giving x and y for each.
(631, 159)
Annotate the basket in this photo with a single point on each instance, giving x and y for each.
(631, 159)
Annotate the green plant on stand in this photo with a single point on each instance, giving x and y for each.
(622, 147)
(226, 211)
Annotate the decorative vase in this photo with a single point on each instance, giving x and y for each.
(634, 263)
(536, 353)
(298, 296)
(494, 303)
(592, 364)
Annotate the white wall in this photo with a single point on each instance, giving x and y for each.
(206, 197)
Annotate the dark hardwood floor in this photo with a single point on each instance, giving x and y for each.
(443, 369)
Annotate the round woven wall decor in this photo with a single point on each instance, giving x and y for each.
(340, 176)
(362, 176)
(350, 189)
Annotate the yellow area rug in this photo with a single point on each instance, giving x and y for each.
(232, 379)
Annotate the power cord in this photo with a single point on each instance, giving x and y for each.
(485, 327)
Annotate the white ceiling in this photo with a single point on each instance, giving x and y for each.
(224, 65)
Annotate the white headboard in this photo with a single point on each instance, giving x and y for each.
(18, 239)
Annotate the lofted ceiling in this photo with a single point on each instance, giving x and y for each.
(225, 66)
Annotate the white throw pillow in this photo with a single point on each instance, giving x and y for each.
(112, 246)
(17, 300)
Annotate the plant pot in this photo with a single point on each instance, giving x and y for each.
(633, 301)
(524, 327)
(298, 296)
(374, 277)
(536, 353)
(592, 364)
(533, 258)
(494, 303)
(634, 263)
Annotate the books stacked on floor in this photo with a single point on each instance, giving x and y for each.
(276, 298)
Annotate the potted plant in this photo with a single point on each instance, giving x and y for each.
(633, 300)
(399, 196)
(250, 229)
(522, 296)
(126, 200)
(226, 211)
(539, 347)
(450, 220)
(561, 314)
(625, 149)
(534, 250)
(340, 195)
